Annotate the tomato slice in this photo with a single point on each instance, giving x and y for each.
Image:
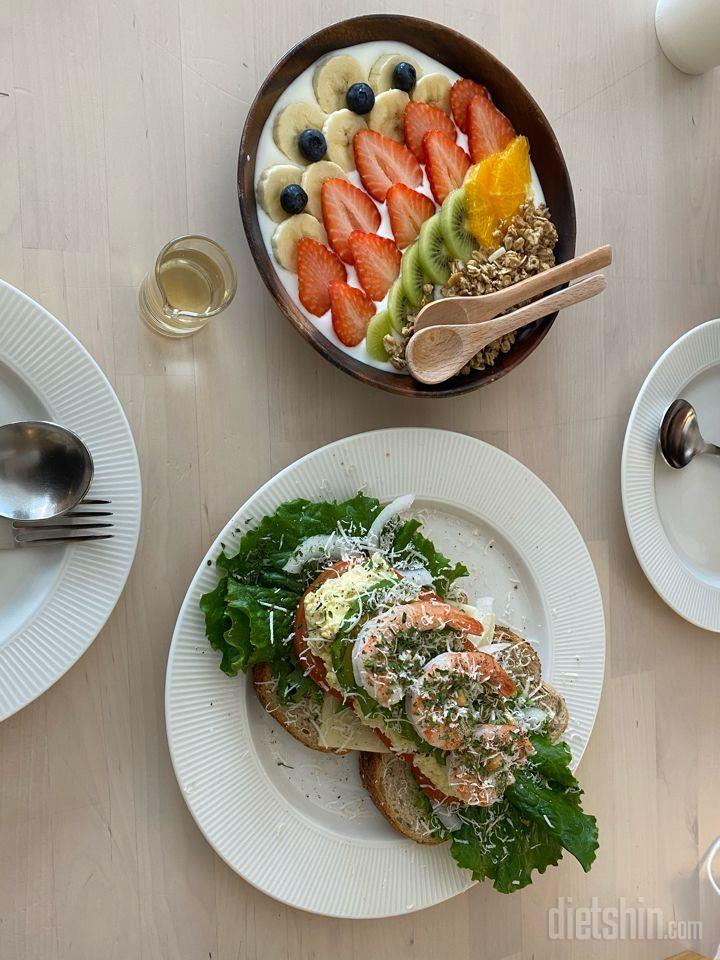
(425, 784)
(431, 791)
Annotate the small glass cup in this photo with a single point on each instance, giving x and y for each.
(193, 280)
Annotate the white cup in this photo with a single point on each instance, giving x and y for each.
(689, 33)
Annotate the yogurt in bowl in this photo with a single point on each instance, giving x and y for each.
(341, 189)
(270, 156)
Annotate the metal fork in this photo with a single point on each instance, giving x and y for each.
(64, 529)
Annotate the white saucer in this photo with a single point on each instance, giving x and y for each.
(673, 516)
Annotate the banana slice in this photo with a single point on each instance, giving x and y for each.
(332, 79)
(290, 123)
(381, 72)
(386, 116)
(433, 88)
(312, 180)
(339, 131)
(271, 184)
(286, 236)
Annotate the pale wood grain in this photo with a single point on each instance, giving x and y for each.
(120, 131)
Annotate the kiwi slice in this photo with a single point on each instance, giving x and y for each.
(453, 224)
(397, 305)
(378, 328)
(432, 252)
(412, 274)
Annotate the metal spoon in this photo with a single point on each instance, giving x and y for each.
(45, 470)
(680, 437)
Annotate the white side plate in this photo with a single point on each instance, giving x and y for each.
(55, 600)
(673, 516)
(296, 823)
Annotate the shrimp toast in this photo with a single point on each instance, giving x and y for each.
(365, 642)
(390, 785)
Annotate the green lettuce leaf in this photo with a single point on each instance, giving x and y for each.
(404, 535)
(262, 619)
(216, 621)
(237, 612)
(552, 760)
(539, 817)
(238, 618)
(292, 684)
(418, 547)
(264, 550)
(559, 813)
(496, 843)
(247, 624)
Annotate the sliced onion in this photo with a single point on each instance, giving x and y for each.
(493, 648)
(482, 610)
(420, 577)
(314, 548)
(386, 514)
(534, 717)
(447, 817)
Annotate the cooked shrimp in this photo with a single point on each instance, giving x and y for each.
(442, 702)
(474, 791)
(480, 774)
(376, 661)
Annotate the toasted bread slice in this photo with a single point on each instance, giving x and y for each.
(301, 719)
(522, 663)
(392, 785)
(520, 659)
(549, 699)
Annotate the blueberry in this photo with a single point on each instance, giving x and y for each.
(360, 98)
(313, 144)
(404, 76)
(293, 198)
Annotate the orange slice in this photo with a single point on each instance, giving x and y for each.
(495, 188)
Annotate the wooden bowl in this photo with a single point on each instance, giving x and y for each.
(467, 58)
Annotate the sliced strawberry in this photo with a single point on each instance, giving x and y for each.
(317, 266)
(489, 131)
(461, 94)
(352, 311)
(346, 208)
(408, 210)
(377, 261)
(381, 162)
(446, 164)
(421, 118)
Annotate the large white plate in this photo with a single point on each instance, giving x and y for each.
(673, 516)
(296, 823)
(55, 600)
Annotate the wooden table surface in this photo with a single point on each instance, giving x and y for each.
(119, 126)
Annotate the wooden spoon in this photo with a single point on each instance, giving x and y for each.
(489, 305)
(438, 353)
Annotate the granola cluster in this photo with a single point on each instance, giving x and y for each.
(525, 247)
